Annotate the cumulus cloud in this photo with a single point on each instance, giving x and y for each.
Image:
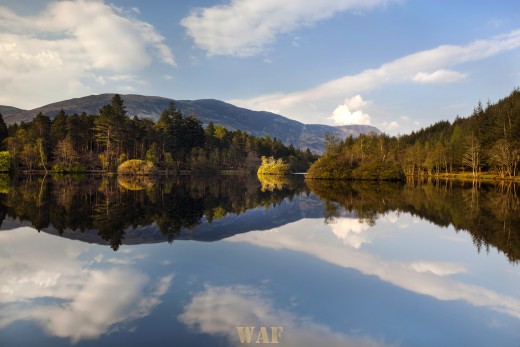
(246, 27)
(59, 49)
(218, 310)
(351, 112)
(421, 67)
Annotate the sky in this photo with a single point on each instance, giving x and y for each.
(398, 65)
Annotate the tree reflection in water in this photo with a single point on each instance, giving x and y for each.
(489, 212)
(113, 207)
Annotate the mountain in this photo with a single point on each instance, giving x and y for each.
(9, 111)
(257, 123)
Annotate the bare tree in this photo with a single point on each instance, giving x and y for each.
(65, 154)
(472, 154)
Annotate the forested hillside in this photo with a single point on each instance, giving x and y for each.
(256, 123)
(77, 143)
(486, 141)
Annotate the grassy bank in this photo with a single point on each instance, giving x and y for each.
(468, 176)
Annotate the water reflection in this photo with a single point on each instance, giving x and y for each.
(139, 210)
(435, 278)
(489, 212)
(121, 209)
(218, 308)
(77, 298)
(351, 264)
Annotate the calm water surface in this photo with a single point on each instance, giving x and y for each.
(185, 262)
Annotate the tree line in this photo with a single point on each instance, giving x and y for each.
(101, 142)
(486, 141)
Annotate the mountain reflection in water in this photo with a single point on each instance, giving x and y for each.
(136, 210)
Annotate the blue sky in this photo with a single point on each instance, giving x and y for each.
(398, 65)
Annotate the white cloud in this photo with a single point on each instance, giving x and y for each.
(351, 112)
(55, 53)
(312, 105)
(219, 310)
(402, 124)
(390, 126)
(439, 76)
(245, 27)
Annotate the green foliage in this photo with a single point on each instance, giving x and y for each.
(151, 154)
(5, 161)
(271, 166)
(136, 167)
(368, 157)
(329, 168)
(378, 171)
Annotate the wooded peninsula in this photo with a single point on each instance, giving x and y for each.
(483, 145)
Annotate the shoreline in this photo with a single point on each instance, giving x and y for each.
(483, 176)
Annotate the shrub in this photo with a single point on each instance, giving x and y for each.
(136, 167)
(271, 166)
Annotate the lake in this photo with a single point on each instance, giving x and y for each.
(93, 261)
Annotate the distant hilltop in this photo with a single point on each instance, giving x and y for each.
(257, 123)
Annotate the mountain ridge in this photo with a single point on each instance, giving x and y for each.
(257, 123)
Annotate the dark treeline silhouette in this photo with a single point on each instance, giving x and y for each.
(74, 143)
(112, 206)
(488, 140)
(489, 212)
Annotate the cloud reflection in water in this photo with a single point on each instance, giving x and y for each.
(67, 296)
